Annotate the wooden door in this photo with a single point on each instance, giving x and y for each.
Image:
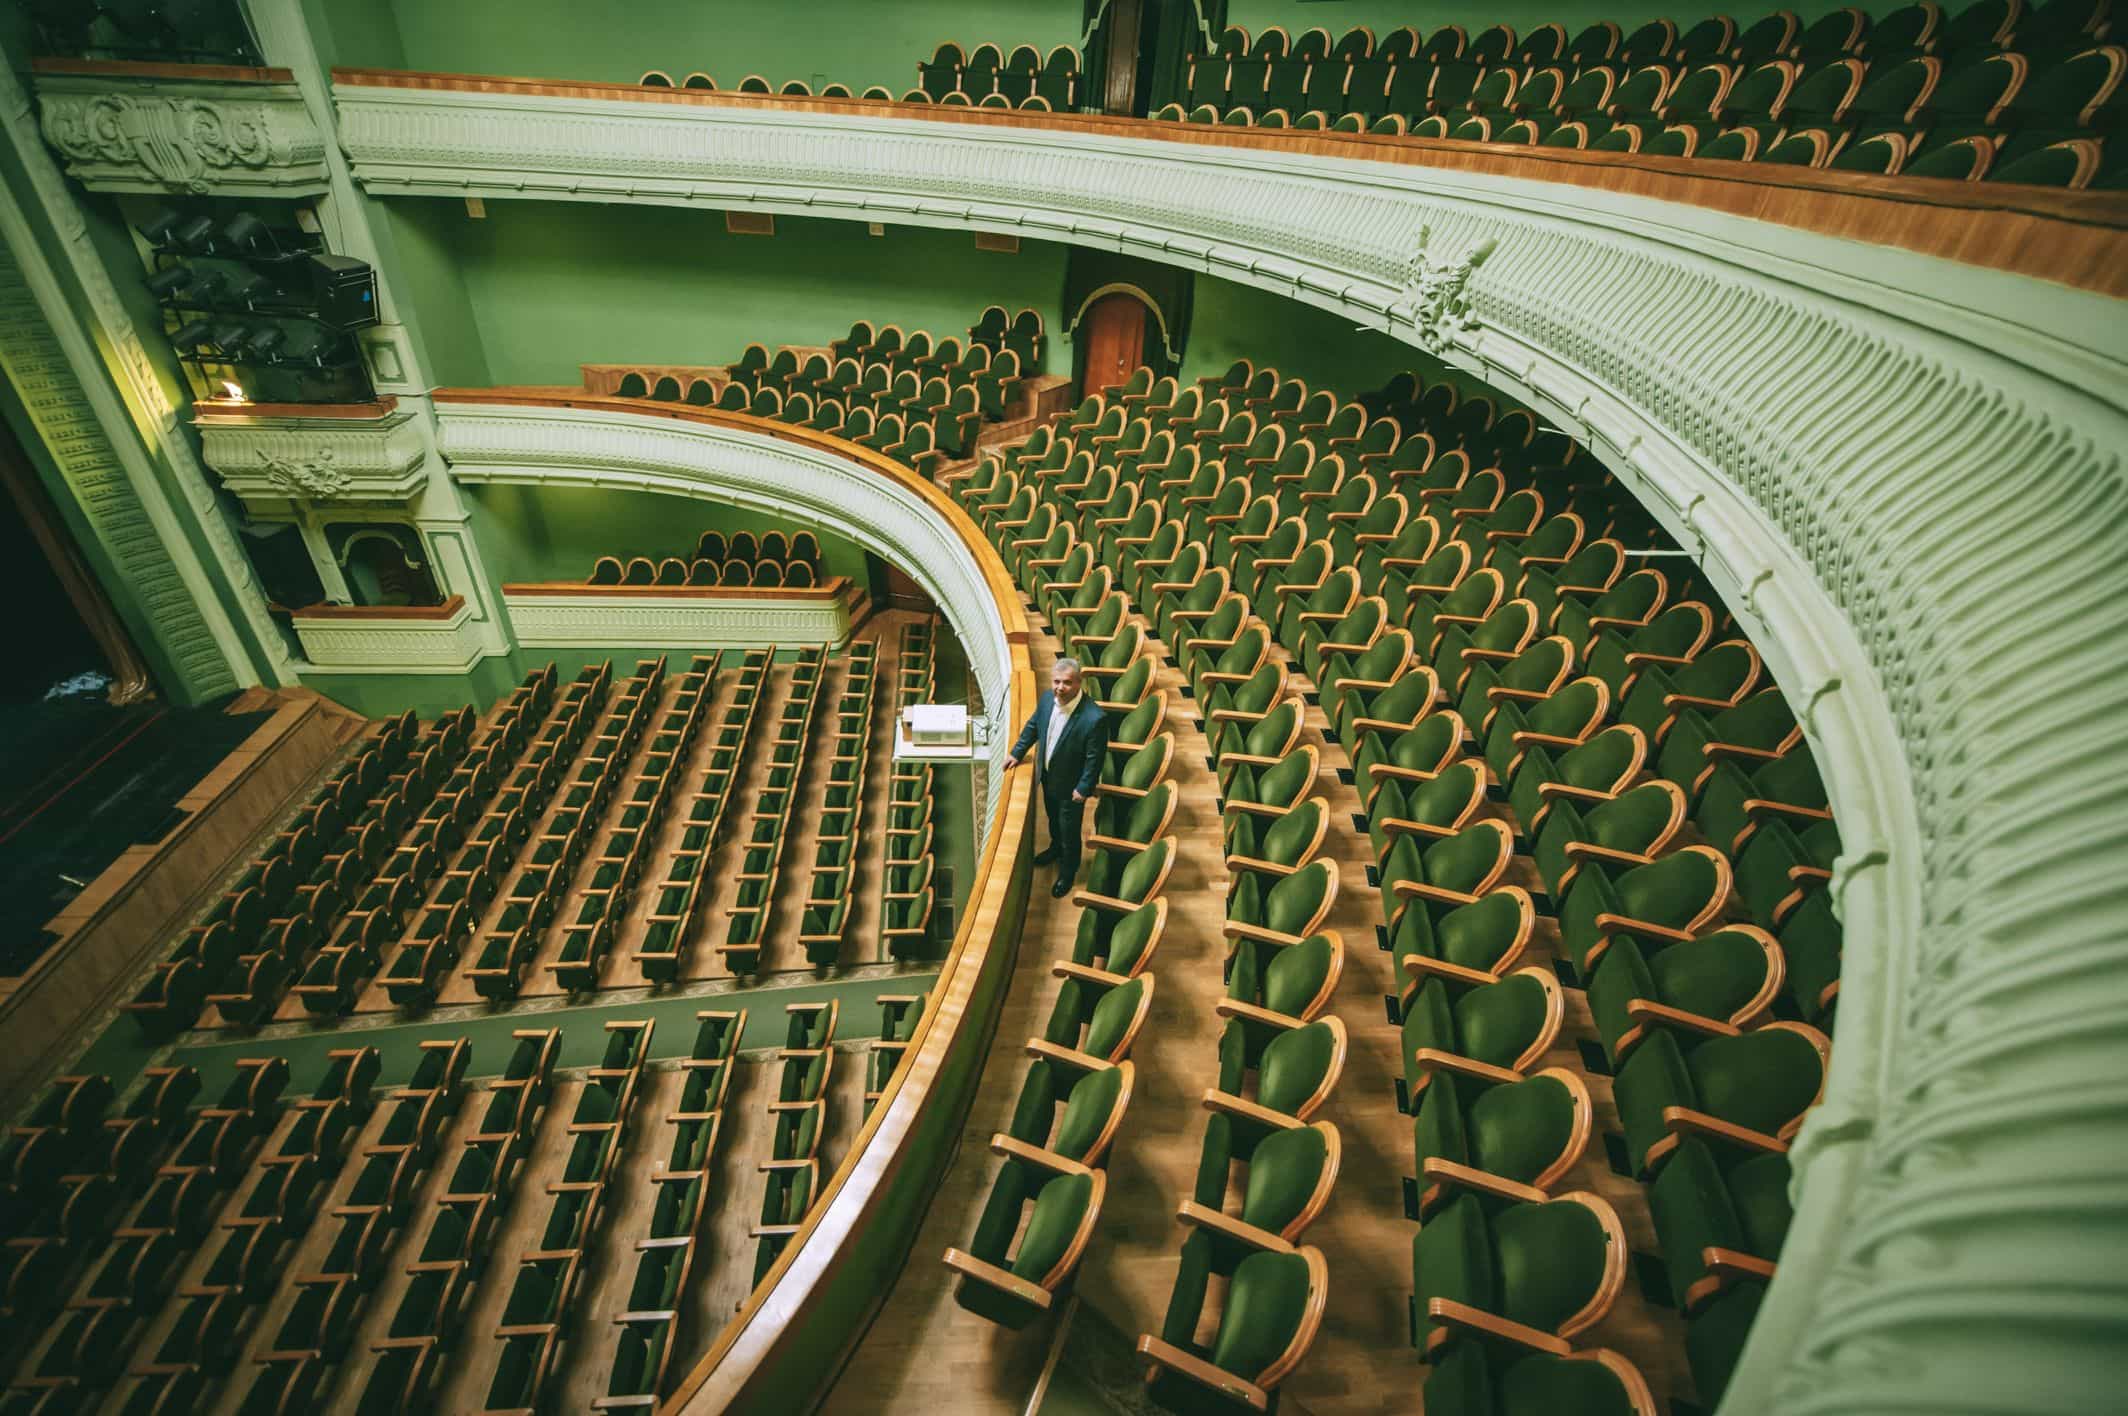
(1113, 336)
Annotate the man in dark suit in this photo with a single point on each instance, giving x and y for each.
(1069, 734)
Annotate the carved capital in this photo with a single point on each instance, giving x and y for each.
(1436, 295)
(122, 134)
(272, 461)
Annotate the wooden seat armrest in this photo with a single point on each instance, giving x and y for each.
(1440, 1176)
(573, 1187)
(1251, 1013)
(1544, 560)
(1715, 751)
(1344, 685)
(1087, 973)
(1256, 808)
(1108, 904)
(1341, 646)
(884, 1044)
(1762, 806)
(1646, 1011)
(1412, 563)
(1422, 964)
(1459, 512)
(526, 1330)
(1382, 725)
(1400, 826)
(1402, 774)
(1497, 656)
(1443, 618)
(1571, 793)
(1363, 538)
(1526, 737)
(1806, 874)
(1636, 660)
(1223, 678)
(1681, 1120)
(1675, 701)
(1235, 929)
(1169, 587)
(647, 1315)
(1259, 867)
(1735, 1263)
(1584, 850)
(1069, 1057)
(390, 1344)
(1244, 1109)
(1077, 612)
(677, 1118)
(1013, 1148)
(1451, 1318)
(1250, 759)
(1416, 890)
(969, 1266)
(1319, 616)
(1115, 843)
(779, 1107)
(1236, 715)
(1227, 1226)
(1283, 590)
(1497, 536)
(1500, 691)
(1626, 924)
(792, 1163)
(1433, 1059)
(1614, 622)
(772, 1231)
(677, 1241)
(1126, 748)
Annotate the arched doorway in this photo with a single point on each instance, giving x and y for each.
(1111, 340)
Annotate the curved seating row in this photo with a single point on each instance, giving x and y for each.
(909, 899)
(752, 911)
(798, 1115)
(824, 930)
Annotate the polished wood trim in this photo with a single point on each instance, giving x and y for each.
(217, 408)
(2072, 237)
(143, 69)
(443, 611)
(852, 1195)
(832, 588)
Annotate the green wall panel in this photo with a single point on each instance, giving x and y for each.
(856, 42)
(1231, 321)
(552, 285)
(555, 533)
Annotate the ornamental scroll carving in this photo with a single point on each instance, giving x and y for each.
(315, 477)
(201, 139)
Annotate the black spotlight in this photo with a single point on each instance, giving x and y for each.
(246, 232)
(197, 235)
(345, 290)
(161, 229)
(264, 343)
(163, 284)
(192, 334)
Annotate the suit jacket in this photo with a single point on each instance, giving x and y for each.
(1076, 765)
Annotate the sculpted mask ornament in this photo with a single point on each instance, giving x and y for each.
(1436, 299)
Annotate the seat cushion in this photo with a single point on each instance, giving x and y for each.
(1058, 1211)
(1552, 1259)
(1452, 1258)
(1518, 1130)
(1264, 1304)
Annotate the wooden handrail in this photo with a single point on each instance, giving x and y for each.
(853, 1193)
(2072, 237)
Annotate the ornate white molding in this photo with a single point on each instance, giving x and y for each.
(1904, 475)
(591, 621)
(377, 644)
(796, 481)
(188, 508)
(200, 137)
(272, 462)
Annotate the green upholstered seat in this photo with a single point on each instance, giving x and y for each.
(1530, 1131)
(1759, 1083)
(1553, 1265)
(1271, 1309)
(1487, 936)
(1665, 902)
(1592, 772)
(1560, 721)
(1609, 836)
(1506, 1023)
(1730, 976)
(1470, 1380)
(1065, 1209)
(1718, 678)
(1417, 753)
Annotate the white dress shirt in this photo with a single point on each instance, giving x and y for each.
(1059, 714)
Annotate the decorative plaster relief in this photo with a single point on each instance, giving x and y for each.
(272, 461)
(591, 621)
(121, 134)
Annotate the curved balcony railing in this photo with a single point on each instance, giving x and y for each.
(1887, 418)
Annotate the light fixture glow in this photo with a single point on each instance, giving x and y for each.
(235, 391)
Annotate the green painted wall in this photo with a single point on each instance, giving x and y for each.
(1231, 321)
(555, 533)
(552, 285)
(856, 42)
(1382, 16)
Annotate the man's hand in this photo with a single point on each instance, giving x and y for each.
(1011, 762)
(1078, 795)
